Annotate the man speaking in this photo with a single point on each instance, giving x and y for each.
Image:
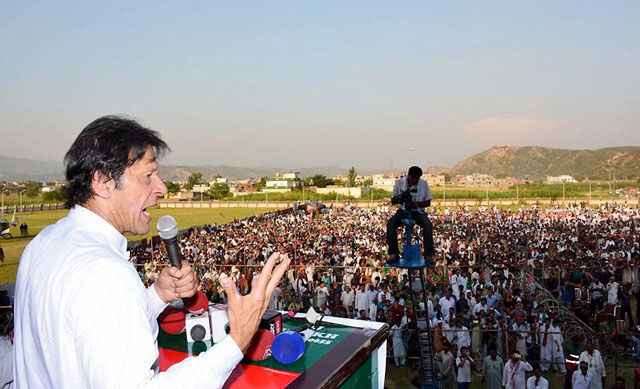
(417, 192)
(83, 318)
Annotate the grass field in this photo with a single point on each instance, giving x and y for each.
(38, 220)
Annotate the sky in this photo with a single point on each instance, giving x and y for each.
(371, 84)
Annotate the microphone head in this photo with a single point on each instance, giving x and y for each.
(167, 227)
(288, 347)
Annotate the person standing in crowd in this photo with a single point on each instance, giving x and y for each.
(492, 370)
(521, 329)
(537, 381)
(348, 297)
(462, 335)
(625, 304)
(362, 299)
(612, 290)
(464, 363)
(545, 340)
(582, 378)
(558, 347)
(321, 294)
(514, 372)
(373, 309)
(620, 383)
(445, 361)
(595, 364)
(397, 340)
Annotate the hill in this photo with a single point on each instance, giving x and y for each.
(539, 162)
(22, 169)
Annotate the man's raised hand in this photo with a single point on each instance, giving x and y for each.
(245, 312)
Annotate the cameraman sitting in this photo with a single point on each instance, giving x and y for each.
(420, 197)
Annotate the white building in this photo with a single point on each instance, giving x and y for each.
(353, 192)
(479, 180)
(280, 184)
(288, 176)
(560, 179)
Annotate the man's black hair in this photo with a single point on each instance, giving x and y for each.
(108, 145)
(415, 172)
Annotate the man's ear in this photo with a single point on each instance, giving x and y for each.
(102, 186)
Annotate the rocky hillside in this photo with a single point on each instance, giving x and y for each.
(539, 162)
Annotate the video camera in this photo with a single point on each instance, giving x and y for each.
(406, 199)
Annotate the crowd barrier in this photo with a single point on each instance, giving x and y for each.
(167, 203)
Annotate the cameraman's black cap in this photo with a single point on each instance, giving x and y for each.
(415, 171)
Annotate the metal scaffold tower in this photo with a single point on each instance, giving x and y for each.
(415, 264)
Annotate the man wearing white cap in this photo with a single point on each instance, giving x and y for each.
(514, 371)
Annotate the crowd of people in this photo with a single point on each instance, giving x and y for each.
(479, 305)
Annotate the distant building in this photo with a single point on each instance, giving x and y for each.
(200, 188)
(560, 179)
(280, 184)
(353, 192)
(479, 180)
(288, 176)
(433, 179)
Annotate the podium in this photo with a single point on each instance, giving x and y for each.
(342, 353)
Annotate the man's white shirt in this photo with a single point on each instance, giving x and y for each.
(83, 318)
(423, 193)
(542, 383)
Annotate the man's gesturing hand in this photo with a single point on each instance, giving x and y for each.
(174, 284)
(245, 312)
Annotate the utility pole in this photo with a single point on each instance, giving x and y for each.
(562, 192)
(487, 195)
(517, 193)
(444, 192)
(21, 192)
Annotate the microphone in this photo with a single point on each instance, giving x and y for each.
(288, 347)
(168, 230)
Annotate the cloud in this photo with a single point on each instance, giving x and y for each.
(496, 130)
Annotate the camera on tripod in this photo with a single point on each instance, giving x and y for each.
(406, 199)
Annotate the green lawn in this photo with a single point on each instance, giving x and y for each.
(38, 220)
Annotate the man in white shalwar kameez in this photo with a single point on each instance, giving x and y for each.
(594, 361)
(558, 348)
(514, 372)
(545, 340)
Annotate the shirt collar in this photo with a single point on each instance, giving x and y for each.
(101, 227)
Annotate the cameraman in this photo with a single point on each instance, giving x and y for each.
(420, 198)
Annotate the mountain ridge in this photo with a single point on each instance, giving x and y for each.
(537, 162)
(515, 161)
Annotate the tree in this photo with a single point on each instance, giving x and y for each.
(172, 187)
(218, 191)
(53, 196)
(321, 181)
(367, 182)
(261, 184)
(194, 179)
(352, 177)
(32, 191)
